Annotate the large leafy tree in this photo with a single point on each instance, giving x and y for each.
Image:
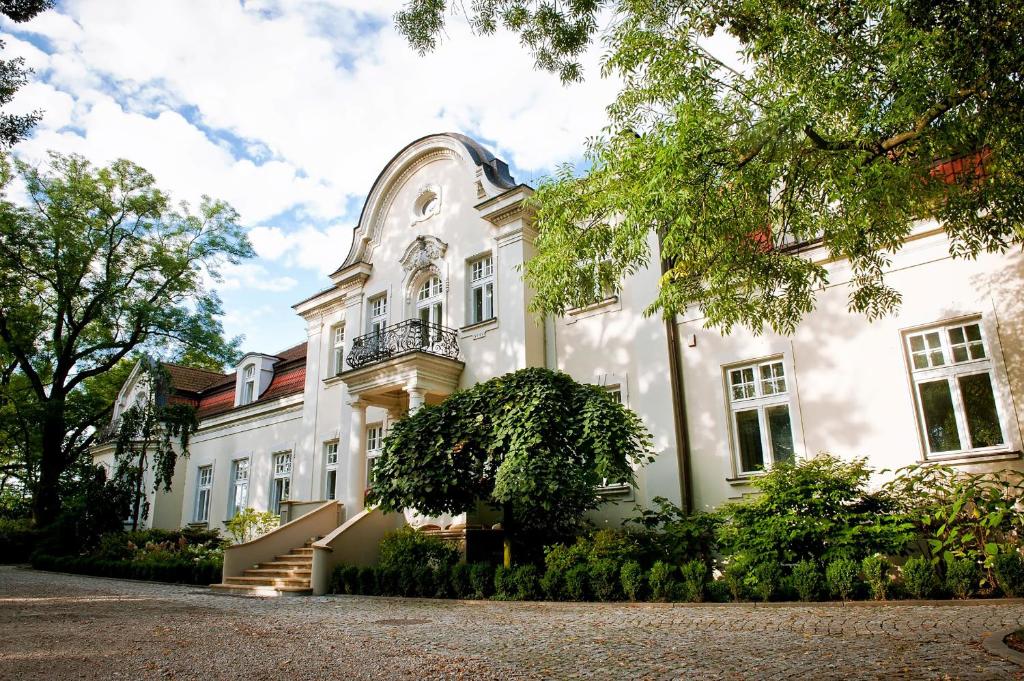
(99, 265)
(14, 74)
(533, 443)
(837, 128)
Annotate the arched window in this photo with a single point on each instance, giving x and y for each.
(248, 384)
(430, 307)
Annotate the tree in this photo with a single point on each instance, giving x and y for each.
(13, 74)
(98, 266)
(848, 122)
(146, 434)
(533, 443)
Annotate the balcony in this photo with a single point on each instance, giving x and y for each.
(403, 338)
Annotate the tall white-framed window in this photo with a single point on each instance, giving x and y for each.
(481, 289)
(954, 389)
(239, 496)
(430, 307)
(609, 486)
(338, 349)
(248, 384)
(374, 445)
(330, 470)
(760, 415)
(377, 314)
(281, 485)
(204, 489)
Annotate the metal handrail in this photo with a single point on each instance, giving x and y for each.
(411, 335)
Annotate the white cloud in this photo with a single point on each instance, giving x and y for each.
(253, 277)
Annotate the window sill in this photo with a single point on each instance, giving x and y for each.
(614, 491)
(478, 329)
(609, 304)
(332, 380)
(745, 480)
(966, 459)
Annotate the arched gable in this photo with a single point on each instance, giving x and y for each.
(491, 173)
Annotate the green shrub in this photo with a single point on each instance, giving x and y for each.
(876, 569)
(806, 577)
(604, 579)
(461, 586)
(408, 548)
(662, 581)
(841, 576)
(424, 582)
(17, 540)
(818, 509)
(694, 581)
(524, 582)
(1009, 570)
(248, 524)
(389, 581)
(552, 584)
(504, 586)
(962, 577)
(718, 591)
(558, 560)
(367, 581)
(764, 580)
(735, 577)
(919, 577)
(335, 586)
(669, 533)
(632, 578)
(481, 577)
(577, 579)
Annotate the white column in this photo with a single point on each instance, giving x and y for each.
(417, 398)
(356, 483)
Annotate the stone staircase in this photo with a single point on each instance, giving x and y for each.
(287, 575)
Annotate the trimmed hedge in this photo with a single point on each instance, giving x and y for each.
(176, 571)
(17, 540)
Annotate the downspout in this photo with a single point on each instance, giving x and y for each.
(678, 405)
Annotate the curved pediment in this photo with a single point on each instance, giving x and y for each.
(490, 174)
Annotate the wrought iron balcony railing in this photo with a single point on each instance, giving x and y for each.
(412, 335)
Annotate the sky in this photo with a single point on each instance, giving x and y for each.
(286, 109)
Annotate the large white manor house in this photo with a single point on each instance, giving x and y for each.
(429, 299)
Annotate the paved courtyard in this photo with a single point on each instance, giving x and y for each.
(66, 627)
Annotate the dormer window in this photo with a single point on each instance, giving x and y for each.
(248, 384)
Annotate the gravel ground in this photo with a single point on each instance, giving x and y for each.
(70, 627)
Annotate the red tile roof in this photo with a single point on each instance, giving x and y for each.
(213, 393)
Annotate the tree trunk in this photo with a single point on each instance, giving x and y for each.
(46, 499)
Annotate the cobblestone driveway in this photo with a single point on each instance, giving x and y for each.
(66, 627)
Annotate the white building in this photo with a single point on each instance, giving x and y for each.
(429, 299)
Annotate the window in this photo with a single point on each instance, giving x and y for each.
(429, 309)
(338, 349)
(248, 384)
(374, 444)
(760, 417)
(377, 321)
(954, 389)
(607, 485)
(331, 470)
(481, 290)
(239, 486)
(280, 488)
(204, 488)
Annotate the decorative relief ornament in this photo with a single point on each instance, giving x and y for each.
(422, 253)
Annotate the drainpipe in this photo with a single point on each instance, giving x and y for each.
(678, 404)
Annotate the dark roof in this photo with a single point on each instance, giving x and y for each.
(191, 379)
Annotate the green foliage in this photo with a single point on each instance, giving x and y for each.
(458, 581)
(504, 586)
(248, 524)
(662, 580)
(962, 515)
(841, 577)
(96, 265)
(408, 548)
(605, 579)
(14, 127)
(633, 582)
(829, 131)
(577, 582)
(17, 539)
(524, 578)
(481, 576)
(764, 580)
(367, 580)
(817, 509)
(533, 442)
(719, 591)
(694, 580)
(349, 581)
(919, 577)
(807, 580)
(96, 507)
(735, 578)
(875, 569)
(1009, 571)
(962, 577)
(668, 533)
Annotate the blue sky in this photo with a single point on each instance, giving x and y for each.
(287, 109)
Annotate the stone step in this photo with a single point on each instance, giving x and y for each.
(289, 558)
(264, 591)
(282, 565)
(279, 572)
(269, 581)
(304, 551)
